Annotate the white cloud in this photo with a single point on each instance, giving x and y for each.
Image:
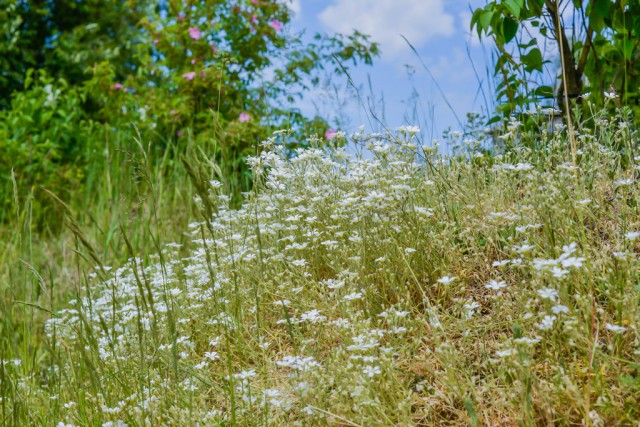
(294, 6)
(385, 20)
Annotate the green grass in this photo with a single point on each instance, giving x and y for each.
(402, 287)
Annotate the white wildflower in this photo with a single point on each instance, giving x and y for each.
(446, 280)
(245, 374)
(548, 293)
(211, 355)
(622, 182)
(557, 309)
(352, 296)
(495, 285)
(505, 353)
(371, 371)
(546, 323)
(615, 328)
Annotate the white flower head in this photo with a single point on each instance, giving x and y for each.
(353, 296)
(546, 323)
(411, 130)
(557, 309)
(616, 329)
(446, 280)
(548, 293)
(505, 353)
(371, 371)
(621, 182)
(494, 285)
(572, 262)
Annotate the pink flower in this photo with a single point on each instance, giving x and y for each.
(189, 76)
(117, 86)
(244, 117)
(155, 41)
(276, 25)
(194, 33)
(254, 19)
(330, 134)
(254, 1)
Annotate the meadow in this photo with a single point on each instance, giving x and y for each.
(387, 283)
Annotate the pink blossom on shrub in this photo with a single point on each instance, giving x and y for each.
(276, 25)
(190, 75)
(117, 86)
(194, 33)
(244, 117)
(330, 134)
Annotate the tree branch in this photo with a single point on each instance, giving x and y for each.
(573, 79)
(582, 62)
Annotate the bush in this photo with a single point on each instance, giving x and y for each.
(44, 139)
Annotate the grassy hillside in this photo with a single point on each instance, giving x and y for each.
(391, 286)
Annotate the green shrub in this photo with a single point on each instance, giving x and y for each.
(43, 138)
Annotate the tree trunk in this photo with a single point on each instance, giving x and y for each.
(573, 74)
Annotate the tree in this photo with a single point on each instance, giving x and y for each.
(65, 37)
(222, 71)
(220, 74)
(598, 42)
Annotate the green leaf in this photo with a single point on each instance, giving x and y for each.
(602, 7)
(514, 6)
(532, 60)
(544, 91)
(484, 19)
(530, 43)
(509, 29)
(468, 404)
(504, 109)
(628, 48)
(474, 19)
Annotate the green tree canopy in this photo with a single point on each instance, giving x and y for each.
(64, 37)
(598, 43)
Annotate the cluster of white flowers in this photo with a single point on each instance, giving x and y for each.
(342, 271)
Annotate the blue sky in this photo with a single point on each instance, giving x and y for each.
(438, 29)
